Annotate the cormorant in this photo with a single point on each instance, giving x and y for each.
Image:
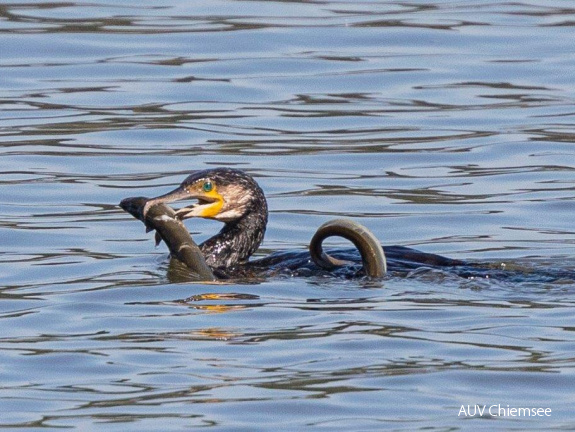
(233, 197)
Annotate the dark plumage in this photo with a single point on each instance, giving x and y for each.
(240, 237)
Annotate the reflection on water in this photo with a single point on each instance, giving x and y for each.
(443, 126)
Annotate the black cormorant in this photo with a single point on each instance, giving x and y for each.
(233, 197)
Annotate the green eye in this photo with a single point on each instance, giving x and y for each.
(207, 186)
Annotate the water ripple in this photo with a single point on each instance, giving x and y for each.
(445, 126)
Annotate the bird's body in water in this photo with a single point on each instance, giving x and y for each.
(234, 198)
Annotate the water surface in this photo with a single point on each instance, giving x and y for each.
(445, 126)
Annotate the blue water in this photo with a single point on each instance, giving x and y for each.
(444, 126)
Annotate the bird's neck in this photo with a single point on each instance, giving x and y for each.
(237, 240)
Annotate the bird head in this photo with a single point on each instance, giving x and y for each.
(223, 194)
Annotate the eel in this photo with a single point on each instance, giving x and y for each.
(171, 230)
(369, 247)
